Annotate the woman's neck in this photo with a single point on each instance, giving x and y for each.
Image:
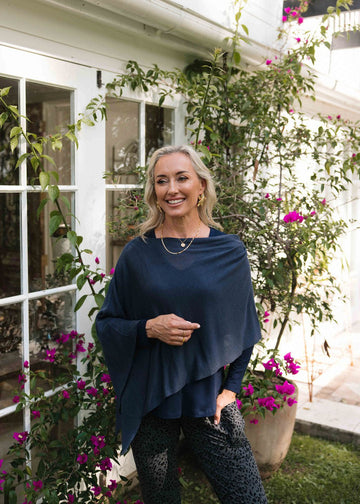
(183, 228)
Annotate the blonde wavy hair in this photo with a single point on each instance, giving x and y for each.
(155, 217)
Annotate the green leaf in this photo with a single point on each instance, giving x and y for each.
(245, 28)
(65, 200)
(5, 91)
(72, 236)
(15, 131)
(14, 143)
(41, 207)
(99, 300)
(80, 281)
(3, 118)
(34, 163)
(80, 302)
(54, 192)
(37, 146)
(21, 159)
(161, 100)
(48, 158)
(54, 223)
(44, 179)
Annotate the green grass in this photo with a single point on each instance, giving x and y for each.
(315, 471)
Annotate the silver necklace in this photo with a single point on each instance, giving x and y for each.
(182, 243)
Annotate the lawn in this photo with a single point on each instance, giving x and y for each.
(315, 471)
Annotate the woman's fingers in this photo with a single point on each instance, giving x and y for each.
(171, 329)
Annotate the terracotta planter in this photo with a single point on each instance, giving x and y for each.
(270, 438)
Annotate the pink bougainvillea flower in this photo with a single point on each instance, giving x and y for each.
(65, 394)
(102, 275)
(105, 391)
(37, 485)
(96, 490)
(249, 390)
(329, 117)
(298, 39)
(313, 212)
(36, 414)
(1, 485)
(80, 347)
(113, 485)
(338, 116)
(291, 401)
(105, 464)
(268, 61)
(284, 19)
(300, 20)
(26, 364)
(63, 338)
(97, 260)
(92, 391)
(293, 368)
(50, 355)
(239, 403)
(82, 458)
(268, 402)
(254, 421)
(22, 378)
(16, 399)
(71, 498)
(293, 13)
(287, 10)
(20, 437)
(267, 195)
(73, 334)
(286, 388)
(323, 202)
(98, 441)
(266, 314)
(81, 384)
(269, 364)
(105, 378)
(112, 271)
(278, 199)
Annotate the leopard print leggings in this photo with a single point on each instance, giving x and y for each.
(222, 450)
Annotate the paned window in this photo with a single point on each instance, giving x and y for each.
(134, 130)
(36, 303)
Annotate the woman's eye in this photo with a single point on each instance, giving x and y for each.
(161, 181)
(182, 179)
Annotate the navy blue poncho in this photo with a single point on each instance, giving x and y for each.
(209, 284)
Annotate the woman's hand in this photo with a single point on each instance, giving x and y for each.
(226, 397)
(170, 329)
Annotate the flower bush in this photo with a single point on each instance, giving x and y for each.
(248, 126)
(265, 387)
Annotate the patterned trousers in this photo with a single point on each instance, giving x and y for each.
(223, 453)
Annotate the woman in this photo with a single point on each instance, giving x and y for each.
(179, 308)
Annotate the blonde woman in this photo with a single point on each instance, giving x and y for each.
(179, 308)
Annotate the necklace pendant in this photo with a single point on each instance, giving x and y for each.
(183, 245)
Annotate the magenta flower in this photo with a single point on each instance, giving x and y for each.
(338, 116)
(298, 39)
(80, 347)
(287, 10)
(73, 334)
(65, 394)
(26, 364)
(287, 388)
(293, 217)
(239, 403)
(1, 484)
(20, 437)
(96, 490)
(323, 202)
(92, 391)
(98, 441)
(113, 485)
(97, 260)
(90, 346)
(37, 485)
(16, 399)
(292, 368)
(50, 355)
(81, 384)
(254, 421)
(105, 464)
(278, 199)
(82, 458)
(300, 20)
(268, 403)
(268, 61)
(36, 414)
(249, 390)
(112, 271)
(329, 117)
(71, 498)
(284, 19)
(267, 195)
(102, 275)
(63, 338)
(106, 378)
(22, 379)
(105, 391)
(291, 401)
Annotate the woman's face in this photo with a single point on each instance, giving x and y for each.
(177, 186)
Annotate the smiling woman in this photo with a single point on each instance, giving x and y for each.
(165, 343)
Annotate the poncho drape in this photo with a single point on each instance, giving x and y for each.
(210, 284)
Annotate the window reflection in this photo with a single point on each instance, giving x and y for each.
(159, 128)
(8, 174)
(10, 352)
(50, 317)
(9, 245)
(43, 249)
(49, 111)
(122, 141)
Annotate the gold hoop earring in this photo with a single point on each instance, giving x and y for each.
(159, 207)
(201, 200)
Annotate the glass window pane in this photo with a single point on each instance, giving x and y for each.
(122, 141)
(8, 425)
(8, 174)
(50, 317)
(10, 352)
(49, 111)
(159, 128)
(43, 249)
(9, 245)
